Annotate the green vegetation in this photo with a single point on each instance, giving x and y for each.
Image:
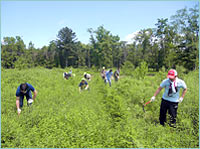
(171, 42)
(104, 117)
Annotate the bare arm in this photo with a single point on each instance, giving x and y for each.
(184, 92)
(17, 102)
(86, 87)
(34, 94)
(157, 91)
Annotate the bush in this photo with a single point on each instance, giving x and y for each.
(141, 71)
(128, 68)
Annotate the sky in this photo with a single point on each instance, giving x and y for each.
(40, 21)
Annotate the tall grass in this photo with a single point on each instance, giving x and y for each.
(104, 117)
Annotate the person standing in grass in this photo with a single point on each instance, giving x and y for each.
(108, 76)
(83, 85)
(103, 73)
(116, 75)
(170, 98)
(24, 90)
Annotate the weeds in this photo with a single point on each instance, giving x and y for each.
(104, 117)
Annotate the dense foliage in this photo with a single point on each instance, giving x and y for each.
(104, 117)
(172, 42)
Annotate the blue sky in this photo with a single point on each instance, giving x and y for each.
(40, 21)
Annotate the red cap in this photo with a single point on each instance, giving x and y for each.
(172, 74)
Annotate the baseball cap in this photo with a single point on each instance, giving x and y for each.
(172, 73)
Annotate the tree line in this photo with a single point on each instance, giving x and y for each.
(172, 42)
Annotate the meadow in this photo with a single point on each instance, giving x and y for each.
(103, 117)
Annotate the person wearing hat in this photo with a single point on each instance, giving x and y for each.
(87, 76)
(170, 98)
(103, 73)
(24, 90)
(83, 85)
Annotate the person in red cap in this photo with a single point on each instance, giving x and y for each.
(170, 98)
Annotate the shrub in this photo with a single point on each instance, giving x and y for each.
(128, 68)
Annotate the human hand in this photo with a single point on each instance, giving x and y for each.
(180, 99)
(153, 98)
(19, 111)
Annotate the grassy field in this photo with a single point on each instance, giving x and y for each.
(104, 117)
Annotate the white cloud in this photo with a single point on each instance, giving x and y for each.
(130, 37)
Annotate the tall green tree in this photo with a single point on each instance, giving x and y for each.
(186, 24)
(31, 46)
(160, 34)
(11, 49)
(66, 45)
(81, 54)
(104, 45)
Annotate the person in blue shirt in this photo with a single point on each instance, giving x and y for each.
(24, 89)
(108, 76)
(83, 85)
(170, 98)
(70, 72)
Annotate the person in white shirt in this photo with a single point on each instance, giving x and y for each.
(87, 76)
(170, 98)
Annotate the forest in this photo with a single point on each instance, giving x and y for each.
(172, 42)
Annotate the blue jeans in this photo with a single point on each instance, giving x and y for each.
(21, 98)
(108, 81)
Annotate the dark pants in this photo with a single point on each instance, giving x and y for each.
(103, 77)
(171, 107)
(116, 78)
(21, 98)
